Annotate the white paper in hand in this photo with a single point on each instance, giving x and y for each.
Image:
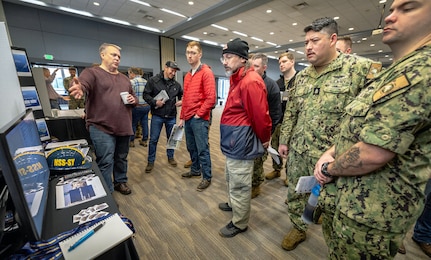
(274, 154)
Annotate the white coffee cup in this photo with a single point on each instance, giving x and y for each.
(124, 97)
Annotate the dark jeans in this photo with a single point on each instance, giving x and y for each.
(140, 114)
(155, 129)
(196, 130)
(111, 155)
(422, 232)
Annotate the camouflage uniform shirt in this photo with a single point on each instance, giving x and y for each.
(317, 101)
(393, 112)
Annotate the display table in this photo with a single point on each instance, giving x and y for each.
(59, 220)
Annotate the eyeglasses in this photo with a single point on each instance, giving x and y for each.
(191, 53)
(226, 58)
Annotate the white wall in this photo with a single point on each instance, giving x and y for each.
(11, 101)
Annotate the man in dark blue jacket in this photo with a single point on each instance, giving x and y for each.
(161, 93)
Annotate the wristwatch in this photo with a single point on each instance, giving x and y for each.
(325, 170)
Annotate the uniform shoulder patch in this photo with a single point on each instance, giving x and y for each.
(375, 68)
(399, 83)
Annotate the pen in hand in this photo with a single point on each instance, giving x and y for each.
(86, 236)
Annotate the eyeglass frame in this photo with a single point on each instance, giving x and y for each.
(227, 58)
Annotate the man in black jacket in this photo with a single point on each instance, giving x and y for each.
(161, 93)
(259, 62)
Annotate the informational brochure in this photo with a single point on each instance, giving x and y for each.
(175, 137)
(75, 191)
(274, 154)
(305, 184)
(163, 95)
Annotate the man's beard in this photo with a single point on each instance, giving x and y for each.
(228, 73)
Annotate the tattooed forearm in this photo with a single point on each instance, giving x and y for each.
(350, 159)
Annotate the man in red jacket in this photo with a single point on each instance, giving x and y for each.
(245, 131)
(198, 100)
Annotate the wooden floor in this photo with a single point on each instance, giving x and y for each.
(174, 221)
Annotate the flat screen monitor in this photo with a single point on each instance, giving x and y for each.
(25, 171)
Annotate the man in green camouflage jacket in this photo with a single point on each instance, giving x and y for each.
(316, 103)
(383, 151)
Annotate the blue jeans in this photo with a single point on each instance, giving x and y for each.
(196, 130)
(155, 129)
(140, 114)
(111, 155)
(422, 232)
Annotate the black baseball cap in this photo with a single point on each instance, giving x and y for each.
(172, 64)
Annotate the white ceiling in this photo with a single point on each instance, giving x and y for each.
(283, 26)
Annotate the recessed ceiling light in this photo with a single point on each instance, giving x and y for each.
(372, 45)
(294, 24)
(205, 33)
(290, 40)
(336, 17)
(364, 39)
(96, 3)
(351, 29)
(239, 21)
(380, 50)
(220, 27)
(160, 21)
(268, 11)
(271, 33)
(191, 3)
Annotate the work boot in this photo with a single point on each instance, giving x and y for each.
(143, 143)
(172, 162)
(402, 249)
(293, 239)
(272, 175)
(255, 191)
(188, 164)
(286, 182)
(149, 167)
(132, 144)
(426, 247)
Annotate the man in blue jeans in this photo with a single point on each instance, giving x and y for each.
(199, 100)
(110, 136)
(161, 93)
(140, 112)
(422, 231)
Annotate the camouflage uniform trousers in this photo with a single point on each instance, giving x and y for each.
(357, 241)
(238, 177)
(76, 103)
(298, 165)
(258, 174)
(275, 138)
(327, 206)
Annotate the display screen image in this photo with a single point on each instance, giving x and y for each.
(31, 98)
(42, 127)
(26, 172)
(21, 62)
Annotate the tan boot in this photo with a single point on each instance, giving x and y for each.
(293, 239)
(188, 164)
(272, 175)
(255, 191)
(286, 182)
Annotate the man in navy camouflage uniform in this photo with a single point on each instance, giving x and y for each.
(381, 158)
(315, 105)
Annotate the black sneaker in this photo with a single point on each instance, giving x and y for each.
(224, 206)
(190, 174)
(230, 230)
